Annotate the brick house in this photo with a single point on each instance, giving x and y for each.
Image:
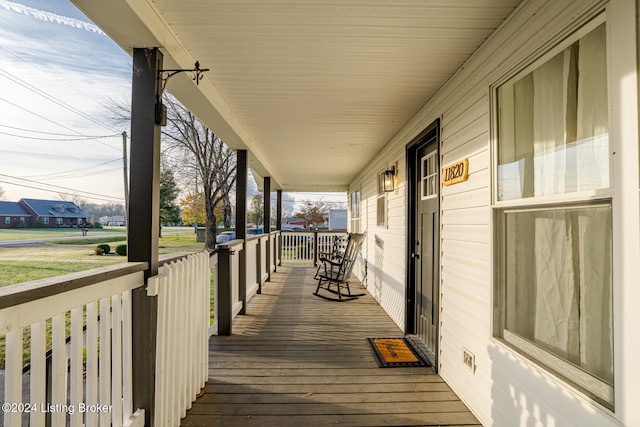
(45, 213)
(14, 215)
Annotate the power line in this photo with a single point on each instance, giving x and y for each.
(54, 186)
(55, 123)
(56, 134)
(84, 174)
(49, 97)
(53, 77)
(70, 173)
(46, 189)
(57, 139)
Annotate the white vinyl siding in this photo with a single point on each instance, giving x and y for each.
(506, 389)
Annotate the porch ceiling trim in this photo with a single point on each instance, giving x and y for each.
(313, 90)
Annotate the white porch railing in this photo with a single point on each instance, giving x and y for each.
(99, 387)
(260, 255)
(304, 247)
(183, 289)
(89, 316)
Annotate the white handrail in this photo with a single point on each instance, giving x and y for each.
(107, 342)
(299, 247)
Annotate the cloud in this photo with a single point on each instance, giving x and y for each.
(50, 17)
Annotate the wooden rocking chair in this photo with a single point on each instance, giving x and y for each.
(337, 271)
(335, 253)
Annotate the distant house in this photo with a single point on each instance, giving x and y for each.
(297, 223)
(54, 213)
(337, 219)
(116, 220)
(14, 215)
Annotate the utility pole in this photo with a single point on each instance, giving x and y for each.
(125, 164)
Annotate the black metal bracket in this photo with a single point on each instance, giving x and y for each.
(165, 75)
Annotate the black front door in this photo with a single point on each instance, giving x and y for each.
(424, 241)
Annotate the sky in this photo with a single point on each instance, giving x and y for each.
(57, 69)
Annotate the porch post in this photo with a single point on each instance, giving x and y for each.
(267, 224)
(279, 223)
(144, 220)
(241, 224)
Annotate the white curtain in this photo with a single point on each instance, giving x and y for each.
(559, 260)
(554, 124)
(559, 283)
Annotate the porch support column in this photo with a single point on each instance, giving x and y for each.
(241, 224)
(279, 224)
(144, 220)
(267, 224)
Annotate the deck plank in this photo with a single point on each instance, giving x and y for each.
(295, 359)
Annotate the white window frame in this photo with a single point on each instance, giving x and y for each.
(45, 220)
(7, 220)
(59, 221)
(426, 175)
(381, 202)
(355, 210)
(591, 386)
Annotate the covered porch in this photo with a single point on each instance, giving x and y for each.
(311, 98)
(295, 359)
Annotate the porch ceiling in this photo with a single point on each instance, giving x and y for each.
(312, 88)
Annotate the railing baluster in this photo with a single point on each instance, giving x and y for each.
(127, 369)
(38, 372)
(59, 366)
(116, 365)
(174, 347)
(91, 417)
(76, 365)
(13, 375)
(104, 361)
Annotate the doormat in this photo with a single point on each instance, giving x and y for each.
(395, 352)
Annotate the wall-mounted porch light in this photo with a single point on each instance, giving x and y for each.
(389, 179)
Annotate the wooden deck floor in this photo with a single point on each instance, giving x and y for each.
(298, 360)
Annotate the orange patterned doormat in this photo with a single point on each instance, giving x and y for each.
(395, 352)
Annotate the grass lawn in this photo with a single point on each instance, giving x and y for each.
(60, 257)
(47, 233)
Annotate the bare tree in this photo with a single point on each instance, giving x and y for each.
(204, 163)
(2, 196)
(202, 154)
(73, 197)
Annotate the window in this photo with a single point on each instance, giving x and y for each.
(553, 214)
(429, 176)
(59, 221)
(7, 220)
(21, 220)
(381, 202)
(355, 212)
(45, 220)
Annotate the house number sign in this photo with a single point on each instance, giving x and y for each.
(455, 173)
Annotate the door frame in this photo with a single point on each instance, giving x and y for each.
(429, 133)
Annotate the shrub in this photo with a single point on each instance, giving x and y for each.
(121, 250)
(97, 225)
(99, 251)
(105, 249)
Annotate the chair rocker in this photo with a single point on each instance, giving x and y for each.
(335, 253)
(336, 272)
